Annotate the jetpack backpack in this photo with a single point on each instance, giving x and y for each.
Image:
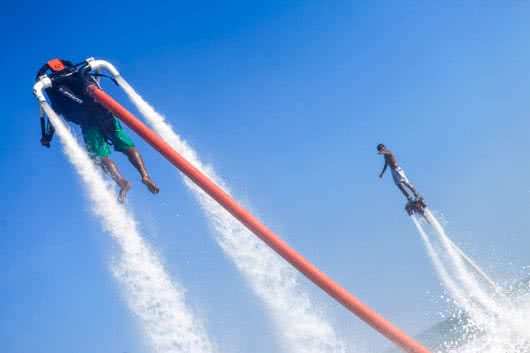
(68, 97)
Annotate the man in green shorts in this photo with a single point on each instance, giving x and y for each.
(99, 127)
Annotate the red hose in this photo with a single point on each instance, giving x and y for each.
(353, 304)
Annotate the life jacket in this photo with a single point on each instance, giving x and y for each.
(69, 97)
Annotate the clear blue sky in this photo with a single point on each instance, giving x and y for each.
(287, 99)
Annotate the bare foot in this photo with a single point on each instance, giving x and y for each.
(124, 188)
(150, 185)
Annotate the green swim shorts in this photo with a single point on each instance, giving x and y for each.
(97, 145)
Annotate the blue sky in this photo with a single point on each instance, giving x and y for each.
(288, 101)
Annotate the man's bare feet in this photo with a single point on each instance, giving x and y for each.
(150, 185)
(124, 188)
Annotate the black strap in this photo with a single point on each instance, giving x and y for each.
(41, 71)
(45, 68)
(97, 74)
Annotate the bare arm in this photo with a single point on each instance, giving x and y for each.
(384, 169)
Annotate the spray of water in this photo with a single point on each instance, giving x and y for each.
(159, 304)
(458, 262)
(493, 323)
(304, 329)
(451, 285)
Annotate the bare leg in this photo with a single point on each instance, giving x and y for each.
(403, 190)
(409, 185)
(136, 160)
(110, 167)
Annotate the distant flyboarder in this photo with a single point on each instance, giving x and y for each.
(414, 204)
(99, 127)
(400, 179)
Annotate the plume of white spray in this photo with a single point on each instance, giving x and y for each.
(466, 277)
(473, 265)
(304, 329)
(160, 305)
(507, 314)
(495, 323)
(440, 268)
(460, 297)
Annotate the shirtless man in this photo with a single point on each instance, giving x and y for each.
(400, 179)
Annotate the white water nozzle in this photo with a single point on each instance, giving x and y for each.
(102, 64)
(43, 82)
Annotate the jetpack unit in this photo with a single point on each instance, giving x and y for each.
(70, 82)
(87, 68)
